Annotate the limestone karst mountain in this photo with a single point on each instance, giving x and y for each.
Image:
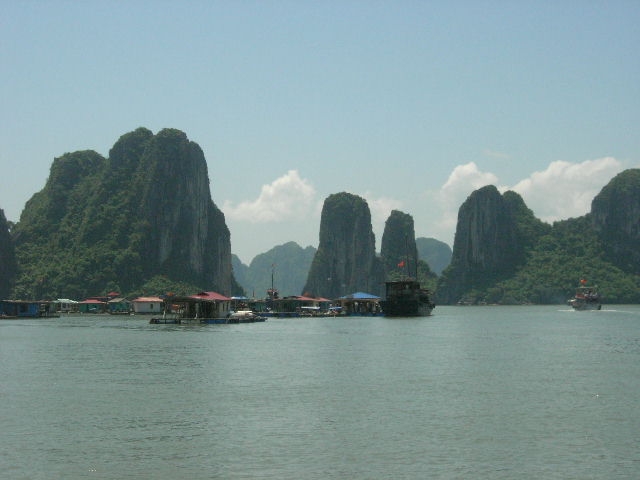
(615, 214)
(8, 265)
(493, 235)
(114, 223)
(503, 254)
(144, 216)
(398, 246)
(346, 260)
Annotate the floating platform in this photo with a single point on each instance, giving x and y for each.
(207, 321)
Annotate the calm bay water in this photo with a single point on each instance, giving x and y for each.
(469, 393)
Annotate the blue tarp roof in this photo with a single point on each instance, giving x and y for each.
(360, 296)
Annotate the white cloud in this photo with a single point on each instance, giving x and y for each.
(565, 189)
(462, 181)
(464, 176)
(436, 213)
(286, 198)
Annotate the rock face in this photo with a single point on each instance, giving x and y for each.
(7, 258)
(615, 214)
(493, 234)
(398, 247)
(117, 222)
(187, 234)
(345, 261)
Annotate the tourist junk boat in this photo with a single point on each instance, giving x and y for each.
(405, 298)
(586, 297)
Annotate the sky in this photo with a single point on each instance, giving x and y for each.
(411, 105)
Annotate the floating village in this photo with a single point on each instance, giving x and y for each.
(403, 298)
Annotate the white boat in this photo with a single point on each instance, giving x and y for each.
(244, 316)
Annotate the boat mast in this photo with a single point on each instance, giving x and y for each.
(408, 255)
(405, 262)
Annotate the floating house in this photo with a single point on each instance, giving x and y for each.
(25, 309)
(64, 305)
(360, 304)
(145, 305)
(203, 307)
(92, 305)
(119, 306)
(291, 306)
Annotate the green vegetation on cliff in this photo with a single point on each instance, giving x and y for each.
(494, 235)
(101, 224)
(569, 253)
(142, 222)
(546, 262)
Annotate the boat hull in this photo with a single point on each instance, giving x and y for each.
(206, 321)
(406, 308)
(582, 305)
(586, 298)
(405, 298)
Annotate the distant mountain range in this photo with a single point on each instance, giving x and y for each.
(284, 267)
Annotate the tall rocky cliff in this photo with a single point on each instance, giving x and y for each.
(398, 246)
(114, 223)
(493, 235)
(346, 260)
(399, 251)
(7, 258)
(615, 214)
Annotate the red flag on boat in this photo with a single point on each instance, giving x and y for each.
(401, 264)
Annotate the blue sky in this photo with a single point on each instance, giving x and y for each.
(409, 104)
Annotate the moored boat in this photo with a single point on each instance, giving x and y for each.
(405, 298)
(245, 316)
